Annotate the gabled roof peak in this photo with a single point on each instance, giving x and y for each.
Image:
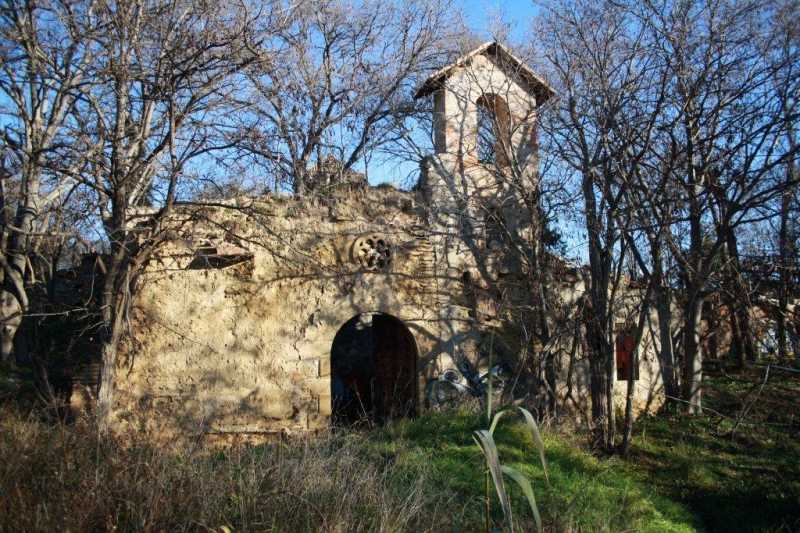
(491, 48)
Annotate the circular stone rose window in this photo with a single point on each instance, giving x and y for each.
(372, 252)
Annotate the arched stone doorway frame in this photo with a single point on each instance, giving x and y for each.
(374, 370)
(371, 293)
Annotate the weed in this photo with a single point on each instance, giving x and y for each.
(409, 475)
(58, 477)
(485, 439)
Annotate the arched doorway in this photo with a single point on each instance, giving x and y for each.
(373, 370)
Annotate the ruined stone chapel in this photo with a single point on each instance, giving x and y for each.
(269, 318)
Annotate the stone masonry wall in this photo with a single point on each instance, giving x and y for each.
(233, 327)
(244, 348)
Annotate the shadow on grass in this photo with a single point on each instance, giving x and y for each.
(741, 476)
(587, 493)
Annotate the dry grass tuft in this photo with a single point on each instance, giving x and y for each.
(56, 477)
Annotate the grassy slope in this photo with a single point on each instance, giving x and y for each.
(685, 474)
(742, 480)
(587, 493)
(420, 475)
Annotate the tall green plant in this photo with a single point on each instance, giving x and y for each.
(494, 469)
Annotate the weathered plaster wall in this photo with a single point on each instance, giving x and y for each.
(499, 279)
(572, 361)
(246, 348)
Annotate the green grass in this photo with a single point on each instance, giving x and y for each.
(587, 493)
(415, 475)
(684, 474)
(747, 480)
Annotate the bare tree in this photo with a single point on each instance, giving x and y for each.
(673, 121)
(339, 81)
(45, 59)
(786, 80)
(723, 121)
(609, 96)
(165, 72)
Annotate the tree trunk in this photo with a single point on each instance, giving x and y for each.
(666, 353)
(105, 395)
(602, 410)
(787, 250)
(115, 301)
(644, 311)
(10, 319)
(627, 431)
(740, 307)
(540, 301)
(108, 353)
(116, 289)
(13, 294)
(693, 357)
(610, 374)
(550, 383)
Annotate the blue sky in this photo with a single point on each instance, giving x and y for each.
(483, 17)
(482, 14)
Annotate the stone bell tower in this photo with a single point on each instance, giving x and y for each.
(485, 108)
(480, 186)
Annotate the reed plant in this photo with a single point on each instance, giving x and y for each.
(495, 469)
